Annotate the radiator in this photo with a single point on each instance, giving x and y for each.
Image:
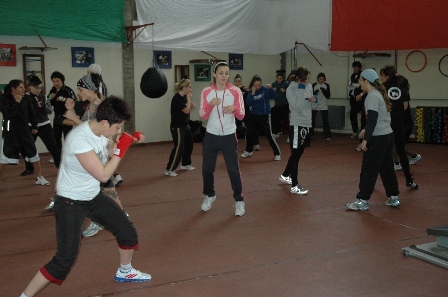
(336, 117)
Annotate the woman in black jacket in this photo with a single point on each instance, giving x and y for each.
(397, 87)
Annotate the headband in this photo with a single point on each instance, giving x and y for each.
(87, 83)
(219, 64)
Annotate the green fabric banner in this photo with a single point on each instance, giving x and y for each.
(95, 20)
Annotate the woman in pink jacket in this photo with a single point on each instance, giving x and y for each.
(221, 103)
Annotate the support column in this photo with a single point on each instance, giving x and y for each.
(127, 56)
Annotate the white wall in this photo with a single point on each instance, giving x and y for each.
(153, 115)
(428, 87)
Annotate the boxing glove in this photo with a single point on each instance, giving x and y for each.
(138, 135)
(123, 144)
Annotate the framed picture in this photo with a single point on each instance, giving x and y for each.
(202, 72)
(83, 56)
(236, 61)
(181, 72)
(163, 59)
(8, 55)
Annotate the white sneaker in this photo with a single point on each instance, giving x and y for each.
(285, 179)
(40, 180)
(207, 204)
(299, 190)
(188, 167)
(417, 158)
(246, 154)
(392, 201)
(170, 173)
(93, 229)
(358, 148)
(51, 160)
(239, 208)
(51, 205)
(277, 158)
(118, 180)
(257, 147)
(397, 167)
(132, 276)
(358, 204)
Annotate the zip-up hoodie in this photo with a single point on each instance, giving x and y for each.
(41, 112)
(298, 96)
(220, 123)
(17, 115)
(260, 101)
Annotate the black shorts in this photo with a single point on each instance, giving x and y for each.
(13, 145)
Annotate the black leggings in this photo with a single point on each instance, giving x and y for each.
(260, 123)
(298, 140)
(70, 215)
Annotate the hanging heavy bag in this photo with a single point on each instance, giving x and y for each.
(153, 83)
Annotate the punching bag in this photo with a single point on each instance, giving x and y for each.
(153, 83)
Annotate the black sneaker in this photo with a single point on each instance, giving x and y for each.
(412, 185)
(27, 172)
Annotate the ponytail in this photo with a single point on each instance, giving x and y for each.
(379, 86)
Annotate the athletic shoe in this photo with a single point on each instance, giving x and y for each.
(51, 160)
(299, 190)
(354, 135)
(93, 229)
(207, 204)
(412, 185)
(118, 180)
(358, 204)
(257, 147)
(277, 158)
(170, 173)
(358, 148)
(132, 276)
(392, 201)
(27, 172)
(285, 179)
(51, 205)
(246, 154)
(188, 167)
(40, 180)
(397, 167)
(328, 139)
(414, 160)
(239, 208)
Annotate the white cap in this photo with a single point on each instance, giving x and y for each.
(95, 68)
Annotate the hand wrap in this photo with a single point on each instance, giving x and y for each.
(123, 144)
(138, 135)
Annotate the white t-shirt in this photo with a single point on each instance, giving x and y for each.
(322, 104)
(73, 180)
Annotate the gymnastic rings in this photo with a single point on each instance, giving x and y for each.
(424, 65)
(443, 66)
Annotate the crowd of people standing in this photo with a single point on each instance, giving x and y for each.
(94, 144)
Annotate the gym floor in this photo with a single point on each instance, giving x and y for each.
(285, 245)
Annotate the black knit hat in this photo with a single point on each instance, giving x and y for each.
(33, 80)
